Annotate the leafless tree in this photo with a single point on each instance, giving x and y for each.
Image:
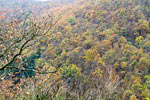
(98, 88)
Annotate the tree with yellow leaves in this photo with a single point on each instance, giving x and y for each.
(133, 97)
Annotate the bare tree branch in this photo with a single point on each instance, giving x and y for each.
(18, 54)
(29, 33)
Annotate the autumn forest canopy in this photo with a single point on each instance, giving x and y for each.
(74, 49)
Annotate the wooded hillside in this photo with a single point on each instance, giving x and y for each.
(84, 50)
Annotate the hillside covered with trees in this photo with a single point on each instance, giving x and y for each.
(75, 50)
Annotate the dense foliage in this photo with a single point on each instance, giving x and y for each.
(98, 50)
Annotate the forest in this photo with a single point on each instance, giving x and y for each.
(75, 50)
